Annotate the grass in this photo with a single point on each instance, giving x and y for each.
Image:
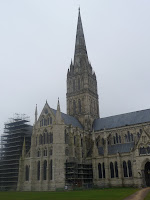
(147, 197)
(97, 194)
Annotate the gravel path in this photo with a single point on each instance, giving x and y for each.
(139, 195)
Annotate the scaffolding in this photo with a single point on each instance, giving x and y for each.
(12, 140)
(79, 174)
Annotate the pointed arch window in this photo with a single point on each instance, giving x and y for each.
(99, 170)
(148, 149)
(103, 170)
(45, 122)
(45, 152)
(51, 170)
(42, 122)
(129, 136)
(66, 138)
(40, 139)
(112, 170)
(27, 173)
(129, 168)
(125, 169)
(51, 120)
(51, 152)
(44, 138)
(119, 139)
(45, 170)
(48, 121)
(38, 170)
(132, 138)
(114, 140)
(116, 169)
(38, 153)
(51, 138)
(81, 142)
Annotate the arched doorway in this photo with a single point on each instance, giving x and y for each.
(147, 173)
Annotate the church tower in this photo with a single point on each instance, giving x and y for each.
(82, 97)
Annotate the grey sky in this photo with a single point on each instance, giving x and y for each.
(37, 39)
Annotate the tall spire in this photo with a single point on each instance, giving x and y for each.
(80, 46)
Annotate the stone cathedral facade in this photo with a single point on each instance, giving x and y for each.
(79, 148)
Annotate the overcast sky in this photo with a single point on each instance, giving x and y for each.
(37, 39)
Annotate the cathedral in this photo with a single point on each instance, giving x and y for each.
(81, 149)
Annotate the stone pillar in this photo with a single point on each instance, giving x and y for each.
(120, 170)
(41, 174)
(106, 160)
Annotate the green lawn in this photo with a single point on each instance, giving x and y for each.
(148, 196)
(98, 194)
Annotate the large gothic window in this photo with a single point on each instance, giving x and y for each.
(27, 173)
(116, 169)
(45, 170)
(79, 105)
(125, 169)
(99, 170)
(38, 170)
(51, 169)
(129, 168)
(112, 170)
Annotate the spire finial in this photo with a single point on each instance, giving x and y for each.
(36, 113)
(58, 105)
(58, 113)
(79, 8)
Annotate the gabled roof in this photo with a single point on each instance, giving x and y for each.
(69, 120)
(127, 119)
